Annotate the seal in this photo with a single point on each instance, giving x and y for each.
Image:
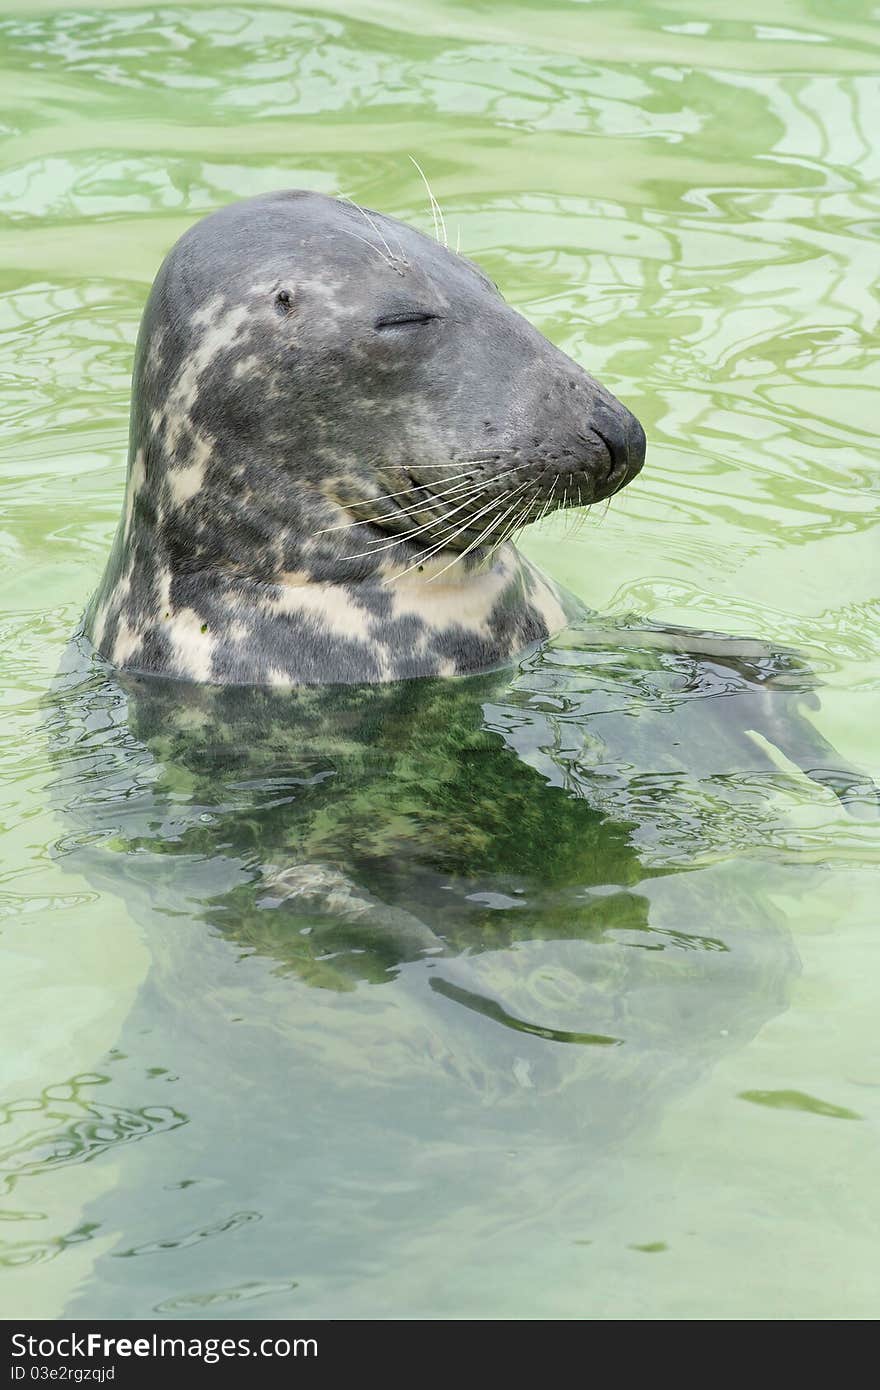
(337, 424)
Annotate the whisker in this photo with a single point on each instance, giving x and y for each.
(509, 528)
(381, 254)
(544, 510)
(507, 533)
(435, 206)
(521, 520)
(537, 494)
(494, 502)
(379, 233)
(376, 228)
(458, 463)
(570, 516)
(365, 521)
(376, 548)
(402, 249)
(457, 489)
(474, 544)
(583, 513)
(551, 497)
(444, 542)
(478, 487)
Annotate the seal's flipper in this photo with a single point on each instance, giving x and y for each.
(775, 688)
(787, 726)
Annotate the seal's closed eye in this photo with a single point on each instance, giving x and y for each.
(414, 317)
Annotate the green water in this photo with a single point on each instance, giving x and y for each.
(604, 1043)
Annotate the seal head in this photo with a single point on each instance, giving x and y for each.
(336, 425)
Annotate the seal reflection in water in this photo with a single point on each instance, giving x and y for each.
(421, 954)
(343, 831)
(336, 426)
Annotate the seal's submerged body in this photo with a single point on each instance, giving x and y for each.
(337, 424)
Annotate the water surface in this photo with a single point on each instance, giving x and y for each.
(588, 1027)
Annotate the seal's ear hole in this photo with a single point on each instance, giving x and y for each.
(283, 301)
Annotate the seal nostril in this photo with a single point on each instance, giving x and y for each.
(615, 444)
(624, 439)
(637, 443)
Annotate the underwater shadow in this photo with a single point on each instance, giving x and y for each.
(397, 927)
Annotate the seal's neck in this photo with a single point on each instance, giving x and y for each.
(211, 580)
(222, 625)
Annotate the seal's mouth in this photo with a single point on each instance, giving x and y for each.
(481, 500)
(507, 492)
